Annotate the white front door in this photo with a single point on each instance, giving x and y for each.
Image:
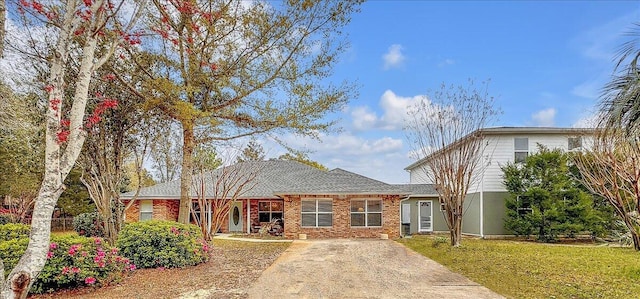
(425, 223)
(235, 217)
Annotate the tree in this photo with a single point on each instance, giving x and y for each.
(620, 104)
(230, 69)
(227, 184)
(82, 38)
(545, 200)
(252, 152)
(166, 151)
(21, 152)
(302, 158)
(611, 168)
(3, 15)
(446, 134)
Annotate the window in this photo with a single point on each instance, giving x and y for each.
(574, 143)
(366, 212)
(146, 210)
(317, 212)
(521, 149)
(269, 210)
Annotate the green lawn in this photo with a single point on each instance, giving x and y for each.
(534, 270)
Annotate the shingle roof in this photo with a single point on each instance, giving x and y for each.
(419, 189)
(279, 177)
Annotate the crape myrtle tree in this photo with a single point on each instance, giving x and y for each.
(445, 132)
(84, 35)
(225, 69)
(611, 167)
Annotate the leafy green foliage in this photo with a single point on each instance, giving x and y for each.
(546, 200)
(252, 152)
(88, 224)
(75, 198)
(302, 158)
(11, 231)
(72, 261)
(157, 243)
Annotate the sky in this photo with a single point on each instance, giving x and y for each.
(546, 62)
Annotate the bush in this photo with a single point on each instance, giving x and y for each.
(168, 244)
(7, 218)
(88, 224)
(12, 231)
(72, 261)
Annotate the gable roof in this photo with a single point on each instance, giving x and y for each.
(508, 131)
(274, 178)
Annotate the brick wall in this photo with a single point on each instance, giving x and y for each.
(162, 210)
(341, 227)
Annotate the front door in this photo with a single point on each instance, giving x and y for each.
(425, 223)
(235, 217)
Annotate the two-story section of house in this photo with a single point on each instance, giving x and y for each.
(484, 210)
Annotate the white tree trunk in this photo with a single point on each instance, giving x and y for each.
(58, 161)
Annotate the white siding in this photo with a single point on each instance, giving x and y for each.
(503, 153)
(498, 152)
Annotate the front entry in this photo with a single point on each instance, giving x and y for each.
(235, 217)
(425, 223)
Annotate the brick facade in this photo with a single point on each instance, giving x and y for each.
(162, 210)
(341, 227)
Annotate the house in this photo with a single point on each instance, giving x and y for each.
(320, 204)
(484, 205)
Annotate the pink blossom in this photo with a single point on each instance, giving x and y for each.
(89, 280)
(75, 270)
(84, 253)
(131, 267)
(53, 245)
(65, 270)
(97, 241)
(114, 251)
(49, 255)
(74, 248)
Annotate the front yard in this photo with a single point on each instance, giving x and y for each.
(534, 270)
(233, 266)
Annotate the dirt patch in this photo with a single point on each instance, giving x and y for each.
(233, 267)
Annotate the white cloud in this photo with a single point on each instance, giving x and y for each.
(446, 62)
(394, 57)
(588, 121)
(394, 112)
(382, 157)
(544, 118)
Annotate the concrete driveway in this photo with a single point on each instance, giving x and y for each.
(360, 269)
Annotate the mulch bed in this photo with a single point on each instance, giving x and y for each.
(234, 265)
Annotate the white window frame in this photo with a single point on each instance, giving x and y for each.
(366, 212)
(146, 207)
(578, 140)
(517, 150)
(316, 212)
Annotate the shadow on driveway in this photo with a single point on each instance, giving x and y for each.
(360, 269)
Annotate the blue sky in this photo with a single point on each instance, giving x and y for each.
(546, 61)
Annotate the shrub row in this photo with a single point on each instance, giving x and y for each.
(74, 261)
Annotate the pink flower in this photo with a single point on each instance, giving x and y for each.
(131, 267)
(97, 241)
(84, 253)
(74, 248)
(114, 251)
(53, 245)
(65, 270)
(89, 280)
(49, 255)
(75, 270)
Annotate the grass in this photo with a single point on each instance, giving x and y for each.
(534, 270)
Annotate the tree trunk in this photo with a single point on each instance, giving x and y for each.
(456, 231)
(188, 145)
(3, 15)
